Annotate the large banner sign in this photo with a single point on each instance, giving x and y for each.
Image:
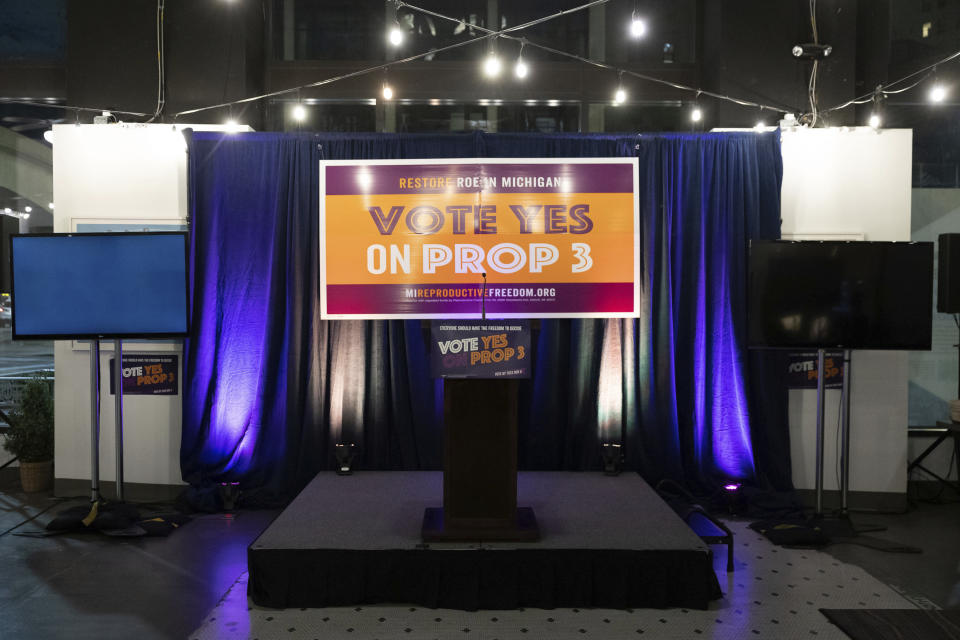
(414, 238)
(468, 349)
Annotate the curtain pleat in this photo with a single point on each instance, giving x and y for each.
(270, 388)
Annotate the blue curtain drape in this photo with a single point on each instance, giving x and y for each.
(270, 388)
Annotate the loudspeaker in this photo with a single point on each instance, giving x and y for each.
(948, 273)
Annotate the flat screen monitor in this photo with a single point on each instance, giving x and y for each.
(99, 285)
(851, 295)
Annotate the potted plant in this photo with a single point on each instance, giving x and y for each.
(30, 437)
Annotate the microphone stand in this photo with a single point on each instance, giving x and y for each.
(483, 298)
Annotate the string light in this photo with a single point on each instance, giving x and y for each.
(938, 93)
(299, 112)
(520, 69)
(395, 35)
(876, 114)
(696, 115)
(28, 208)
(492, 64)
(231, 125)
(387, 92)
(504, 33)
(638, 28)
(620, 95)
(760, 126)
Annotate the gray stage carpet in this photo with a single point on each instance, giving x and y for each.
(605, 541)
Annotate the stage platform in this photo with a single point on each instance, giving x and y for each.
(606, 542)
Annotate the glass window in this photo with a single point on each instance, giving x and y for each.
(328, 29)
(33, 30)
(511, 117)
(637, 118)
(539, 118)
(334, 117)
(424, 32)
(566, 33)
(25, 194)
(435, 118)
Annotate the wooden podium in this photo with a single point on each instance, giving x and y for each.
(479, 466)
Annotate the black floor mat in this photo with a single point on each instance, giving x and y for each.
(896, 624)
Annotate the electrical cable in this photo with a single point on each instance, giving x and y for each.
(486, 35)
(58, 501)
(812, 84)
(161, 63)
(815, 115)
(602, 65)
(885, 88)
(76, 110)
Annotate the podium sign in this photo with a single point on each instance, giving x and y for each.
(480, 363)
(474, 349)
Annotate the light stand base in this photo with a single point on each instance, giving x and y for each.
(840, 526)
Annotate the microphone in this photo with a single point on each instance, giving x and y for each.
(483, 298)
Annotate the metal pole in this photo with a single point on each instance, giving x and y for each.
(821, 354)
(845, 434)
(94, 420)
(118, 411)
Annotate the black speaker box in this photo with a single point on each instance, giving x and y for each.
(948, 273)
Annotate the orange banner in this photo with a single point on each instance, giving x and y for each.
(398, 232)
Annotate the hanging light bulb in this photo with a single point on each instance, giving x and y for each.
(637, 26)
(760, 126)
(696, 115)
(231, 125)
(620, 95)
(938, 93)
(875, 120)
(492, 65)
(521, 69)
(395, 35)
(387, 92)
(299, 112)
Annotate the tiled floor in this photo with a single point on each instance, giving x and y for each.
(192, 585)
(773, 593)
